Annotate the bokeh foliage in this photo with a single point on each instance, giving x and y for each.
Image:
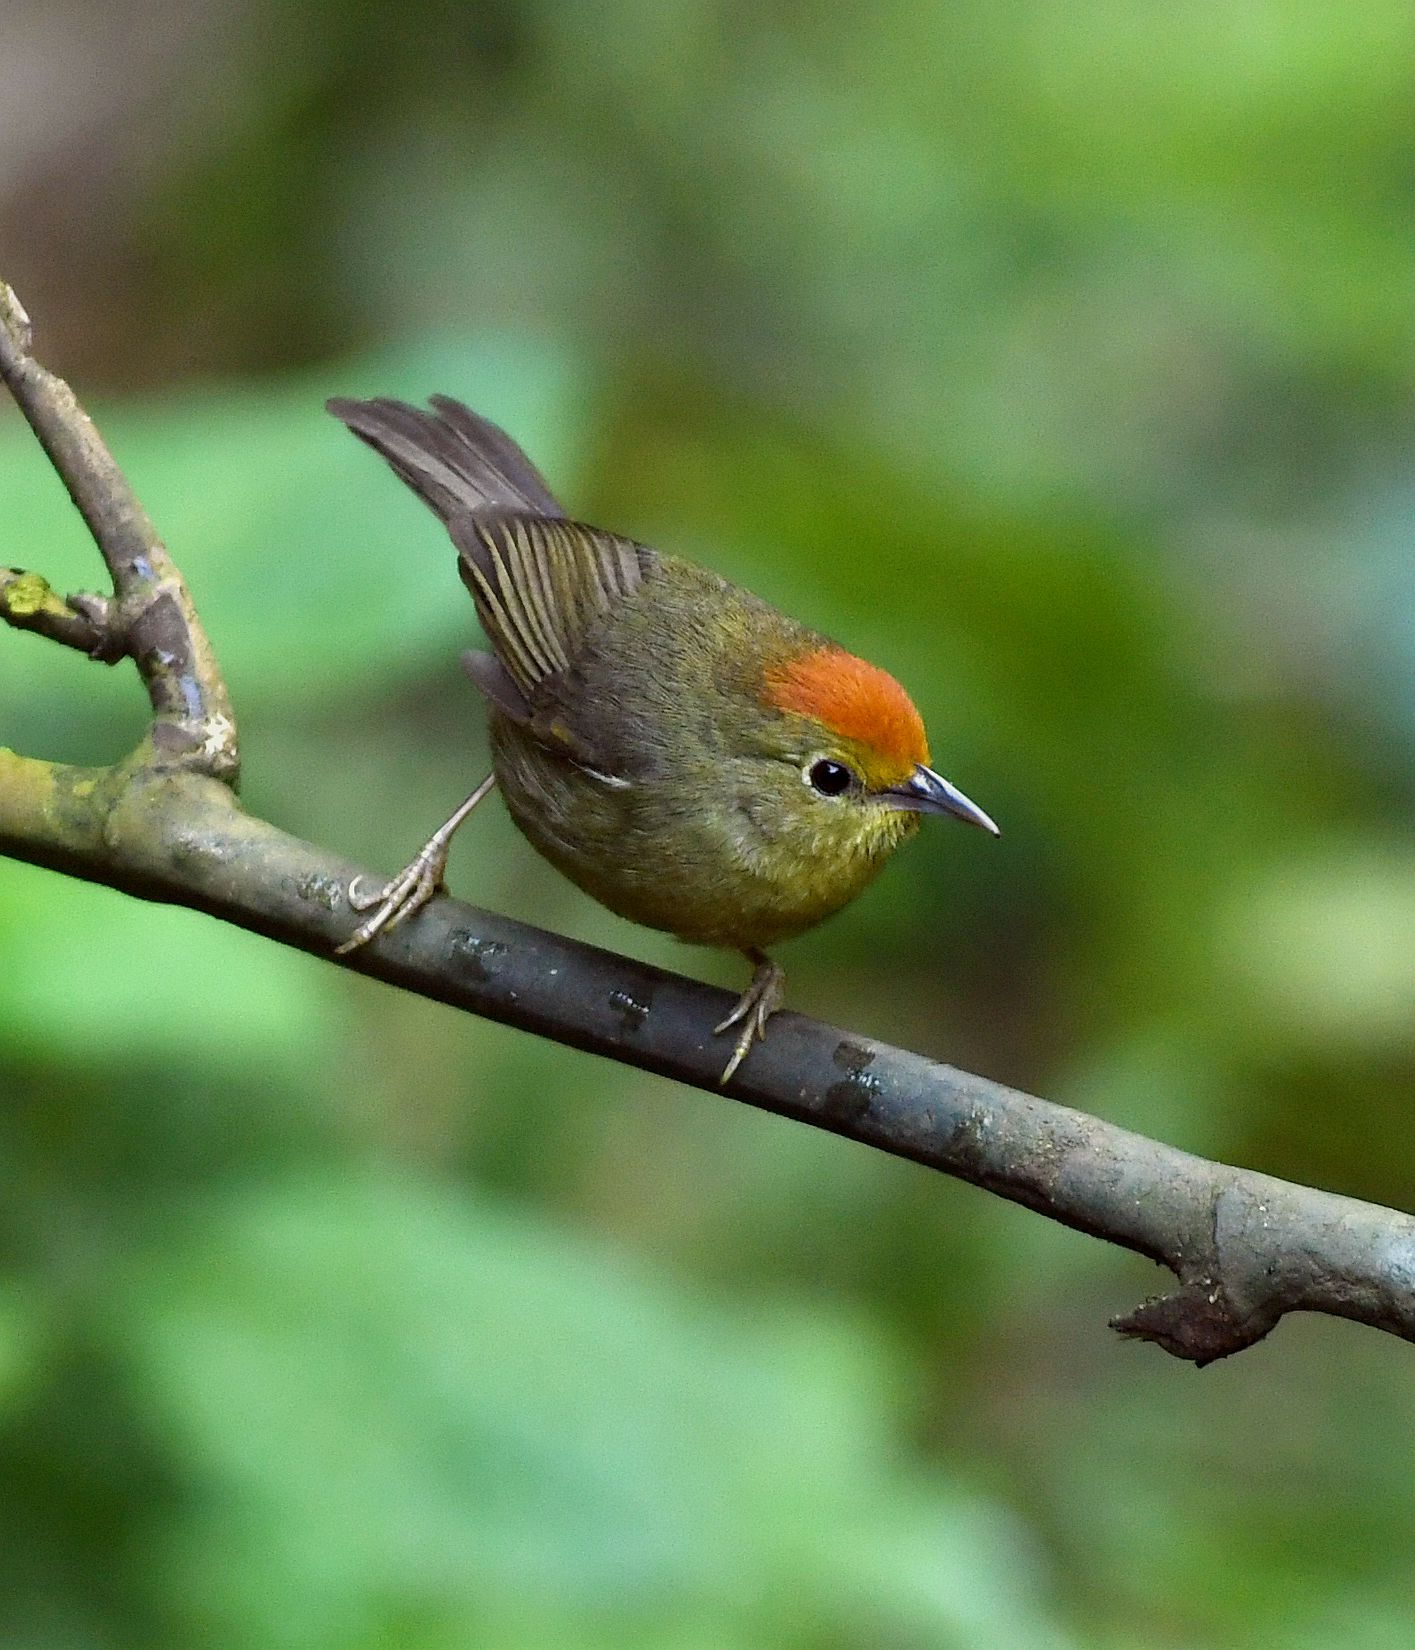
(1059, 357)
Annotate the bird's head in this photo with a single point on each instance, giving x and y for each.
(851, 759)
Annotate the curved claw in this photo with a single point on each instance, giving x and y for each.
(396, 901)
(414, 885)
(753, 1009)
(362, 902)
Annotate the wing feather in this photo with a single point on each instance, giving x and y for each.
(539, 585)
(540, 581)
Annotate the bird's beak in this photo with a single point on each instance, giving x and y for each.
(927, 792)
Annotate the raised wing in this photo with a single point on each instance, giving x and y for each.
(539, 585)
(539, 580)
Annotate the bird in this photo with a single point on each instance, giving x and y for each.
(686, 754)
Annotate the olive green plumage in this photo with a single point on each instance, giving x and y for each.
(695, 760)
(667, 811)
(631, 734)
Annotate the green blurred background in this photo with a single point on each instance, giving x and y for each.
(1061, 358)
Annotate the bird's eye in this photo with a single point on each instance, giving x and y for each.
(829, 778)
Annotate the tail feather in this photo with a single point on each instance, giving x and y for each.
(541, 583)
(456, 461)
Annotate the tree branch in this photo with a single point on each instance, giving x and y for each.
(1245, 1248)
(27, 603)
(152, 619)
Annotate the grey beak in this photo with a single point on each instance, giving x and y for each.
(927, 792)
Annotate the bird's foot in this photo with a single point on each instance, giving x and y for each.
(754, 1008)
(398, 900)
(414, 885)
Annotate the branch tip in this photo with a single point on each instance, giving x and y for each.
(28, 602)
(14, 320)
(1198, 1323)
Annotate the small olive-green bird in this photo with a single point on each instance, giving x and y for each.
(692, 758)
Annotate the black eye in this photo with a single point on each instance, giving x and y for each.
(829, 778)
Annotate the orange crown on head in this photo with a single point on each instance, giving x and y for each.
(856, 701)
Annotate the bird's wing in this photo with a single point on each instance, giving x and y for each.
(539, 580)
(455, 460)
(540, 583)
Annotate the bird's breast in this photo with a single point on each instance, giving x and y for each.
(694, 862)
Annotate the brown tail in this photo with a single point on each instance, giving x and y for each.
(454, 460)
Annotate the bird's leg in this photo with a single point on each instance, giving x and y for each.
(754, 1007)
(414, 885)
